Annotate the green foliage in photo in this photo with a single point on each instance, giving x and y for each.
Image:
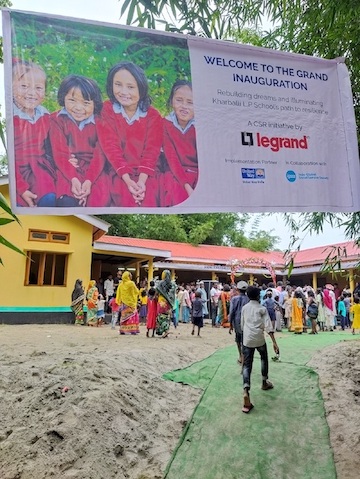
(65, 47)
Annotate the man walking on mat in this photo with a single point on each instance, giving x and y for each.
(236, 304)
(254, 322)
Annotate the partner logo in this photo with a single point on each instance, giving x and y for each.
(275, 143)
(253, 173)
(291, 176)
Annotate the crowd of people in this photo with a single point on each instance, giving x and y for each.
(298, 309)
(120, 152)
(248, 311)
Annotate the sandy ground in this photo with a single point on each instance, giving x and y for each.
(79, 402)
(338, 368)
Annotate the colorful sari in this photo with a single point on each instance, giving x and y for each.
(126, 296)
(163, 318)
(166, 303)
(223, 309)
(92, 297)
(297, 313)
(77, 302)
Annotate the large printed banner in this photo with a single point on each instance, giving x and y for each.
(110, 119)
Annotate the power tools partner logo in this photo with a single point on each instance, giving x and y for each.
(275, 143)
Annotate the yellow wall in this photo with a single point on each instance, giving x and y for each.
(12, 273)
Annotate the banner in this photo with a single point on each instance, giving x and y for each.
(105, 119)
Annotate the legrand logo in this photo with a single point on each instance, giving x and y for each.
(275, 143)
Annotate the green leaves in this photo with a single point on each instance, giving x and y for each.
(329, 28)
(7, 209)
(4, 221)
(62, 49)
(214, 228)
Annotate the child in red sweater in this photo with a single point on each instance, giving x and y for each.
(179, 146)
(131, 137)
(34, 170)
(82, 180)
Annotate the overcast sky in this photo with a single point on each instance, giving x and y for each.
(109, 11)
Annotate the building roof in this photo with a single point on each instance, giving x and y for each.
(201, 253)
(225, 254)
(347, 250)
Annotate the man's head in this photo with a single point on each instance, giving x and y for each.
(253, 293)
(242, 286)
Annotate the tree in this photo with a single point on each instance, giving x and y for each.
(6, 215)
(328, 28)
(4, 221)
(3, 4)
(215, 228)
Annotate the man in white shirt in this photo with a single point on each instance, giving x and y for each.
(254, 322)
(109, 287)
(214, 299)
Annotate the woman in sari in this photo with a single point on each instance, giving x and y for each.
(224, 306)
(329, 308)
(77, 302)
(126, 297)
(92, 294)
(165, 291)
(297, 313)
(321, 319)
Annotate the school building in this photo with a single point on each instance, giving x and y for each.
(37, 286)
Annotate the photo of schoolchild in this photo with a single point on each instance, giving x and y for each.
(34, 169)
(179, 146)
(97, 137)
(80, 163)
(131, 136)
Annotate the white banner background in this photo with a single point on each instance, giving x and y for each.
(322, 177)
(231, 117)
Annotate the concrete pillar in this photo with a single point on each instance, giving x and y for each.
(214, 276)
(314, 281)
(351, 280)
(251, 279)
(150, 270)
(173, 275)
(137, 273)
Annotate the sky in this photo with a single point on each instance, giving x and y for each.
(109, 11)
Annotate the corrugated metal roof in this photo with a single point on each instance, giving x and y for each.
(185, 251)
(225, 254)
(319, 254)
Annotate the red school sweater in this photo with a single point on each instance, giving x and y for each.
(67, 139)
(32, 170)
(180, 150)
(130, 148)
